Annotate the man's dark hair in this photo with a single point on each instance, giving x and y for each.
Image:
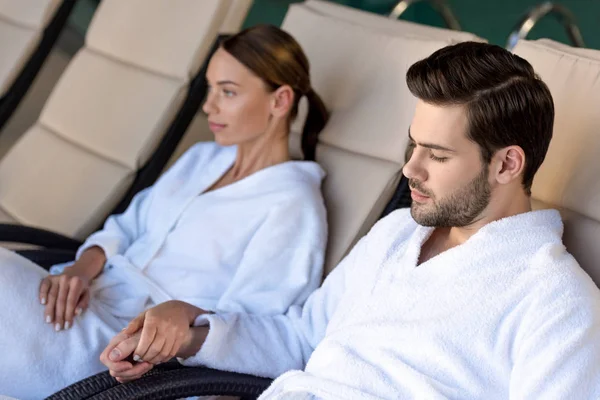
(506, 102)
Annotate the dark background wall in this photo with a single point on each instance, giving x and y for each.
(491, 19)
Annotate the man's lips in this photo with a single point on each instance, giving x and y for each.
(418, 196)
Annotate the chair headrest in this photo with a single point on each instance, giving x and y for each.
(159, 36)
(360, 73)
(568, 178)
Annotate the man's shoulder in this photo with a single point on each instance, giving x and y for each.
(554, 273)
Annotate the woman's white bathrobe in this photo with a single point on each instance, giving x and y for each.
(509, 314)
(254, 246)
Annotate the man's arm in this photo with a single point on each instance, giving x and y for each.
(269, 345)
(559, 358)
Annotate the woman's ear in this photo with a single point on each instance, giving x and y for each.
(282, 101)
(509, 164)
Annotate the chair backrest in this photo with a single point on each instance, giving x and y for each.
(178, 138)
(238, 10)
(569, 177)
(28, 31)
(359, 71)
(387, 25)
(108, 112)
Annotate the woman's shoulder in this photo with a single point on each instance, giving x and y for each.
(294, 180)
(297, 174)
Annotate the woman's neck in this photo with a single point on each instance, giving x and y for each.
(260, 154)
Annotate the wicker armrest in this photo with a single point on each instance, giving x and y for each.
(168, 381)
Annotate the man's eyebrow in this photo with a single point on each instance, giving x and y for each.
(430, 145)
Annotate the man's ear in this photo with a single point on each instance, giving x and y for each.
(509, 164)
(282, 101)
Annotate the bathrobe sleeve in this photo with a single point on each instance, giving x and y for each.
(271, 345)
(120, 230)
(558, 356)
(283, 261)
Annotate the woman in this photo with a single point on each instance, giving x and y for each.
(233, 226)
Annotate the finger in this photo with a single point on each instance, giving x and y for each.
(104, 356)
(84, 302)
(120, 366)
(75, 289)
(44, 288)
(146, 339)
(172, 351)
(159, 350)
(51, 304)
(61, 303)
(123, 349)
(134, 373)
(115, 359)
(136, 324)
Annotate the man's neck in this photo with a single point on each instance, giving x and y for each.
(443, 239)
(495, 211)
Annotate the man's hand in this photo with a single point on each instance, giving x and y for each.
(164, 329)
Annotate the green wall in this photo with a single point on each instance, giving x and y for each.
(490, 19)
(493, 20)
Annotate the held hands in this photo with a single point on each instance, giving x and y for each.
(155, 336)
(118, 358)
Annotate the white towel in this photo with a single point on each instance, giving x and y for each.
(36, 360)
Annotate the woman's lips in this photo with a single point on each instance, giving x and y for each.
(215, 128)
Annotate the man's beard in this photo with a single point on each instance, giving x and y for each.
(459, 209)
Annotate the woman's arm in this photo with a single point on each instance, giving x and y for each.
(120, 230)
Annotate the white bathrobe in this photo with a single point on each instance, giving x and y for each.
(509, 314)
(254, 246)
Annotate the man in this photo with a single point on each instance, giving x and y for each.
(469, 295)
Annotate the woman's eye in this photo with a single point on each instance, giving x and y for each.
(437, 159)
(228, 93)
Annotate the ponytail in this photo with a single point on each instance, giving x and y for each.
(276, 57)
(315, 122)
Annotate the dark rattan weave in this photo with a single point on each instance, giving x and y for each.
(167, 381)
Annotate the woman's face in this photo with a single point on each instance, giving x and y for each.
(238, 104)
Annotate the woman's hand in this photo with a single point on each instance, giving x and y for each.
(117, 357)
(153, 337)
(67, 295)
(164, 329)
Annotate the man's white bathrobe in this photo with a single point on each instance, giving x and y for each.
(254, 246)
(509, 314)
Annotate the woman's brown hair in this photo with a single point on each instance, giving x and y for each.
(275, 57)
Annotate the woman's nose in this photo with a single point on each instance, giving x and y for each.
(209, 106)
